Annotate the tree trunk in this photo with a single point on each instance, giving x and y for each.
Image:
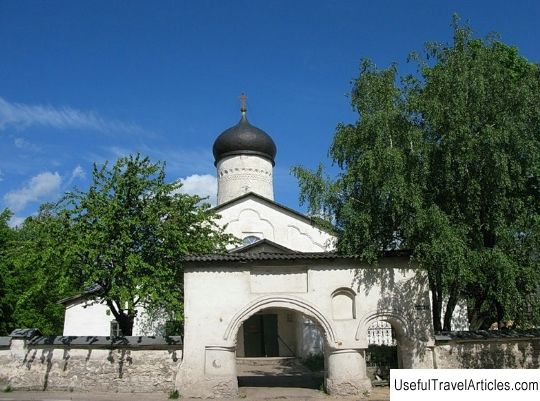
(500, 315)
(476, 318)
(437, 308)
(475, 321)
(450, 306)
(125, 320)
(126, 324)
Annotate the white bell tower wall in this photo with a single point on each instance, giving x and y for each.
(240, 174)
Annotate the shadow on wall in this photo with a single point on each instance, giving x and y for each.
(517, 355)
(312, 338)
(403, 302)
(135, 364)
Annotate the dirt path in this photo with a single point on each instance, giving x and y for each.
(293, 393)
(246, 393)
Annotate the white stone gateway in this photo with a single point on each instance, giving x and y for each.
(341, 296)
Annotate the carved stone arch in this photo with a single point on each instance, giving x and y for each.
(284, 302)
(236, 222)
(255, 211)
(392, 316)
(304, 234)
(344, 289)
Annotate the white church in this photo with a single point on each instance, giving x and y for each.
(283, 292)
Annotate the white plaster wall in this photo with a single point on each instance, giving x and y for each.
(310, 339)
(460, 319)
(251, 216)
(286, 330)
(87, 319)
(238, 175)
(84, 318)
(213, 296)
(240, 349)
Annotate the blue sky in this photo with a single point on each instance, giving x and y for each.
(84, 82)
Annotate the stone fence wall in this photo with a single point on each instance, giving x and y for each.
(487, 350)
(29, 361)
(124, 364)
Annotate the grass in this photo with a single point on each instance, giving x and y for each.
(174, 395)
(322, 388)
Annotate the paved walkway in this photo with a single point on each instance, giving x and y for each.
(276, 372)
(247, 393)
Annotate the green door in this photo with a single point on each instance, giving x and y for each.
(253, 337)
(261, 336)
(270, 335)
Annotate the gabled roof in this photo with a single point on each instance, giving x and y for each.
(89, 292)
(263, 246)
(310, 220)
(248, 256)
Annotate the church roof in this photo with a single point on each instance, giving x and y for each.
(89, 292)
(262, 256)
(247, 257)
(263, 245)
(244, 139)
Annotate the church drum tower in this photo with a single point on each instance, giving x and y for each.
(244, 158)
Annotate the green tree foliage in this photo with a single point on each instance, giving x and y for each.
(40, 277)
(34, 273)
(445, 162)
(128, 234)
(6, 309)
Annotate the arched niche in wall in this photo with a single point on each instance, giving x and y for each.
(343, 304)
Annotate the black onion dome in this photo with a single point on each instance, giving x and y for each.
(244, 139)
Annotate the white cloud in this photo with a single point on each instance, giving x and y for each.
(23, 144)
(22, 116)
(38, 188)
(78, 172)
(203, 185)
(16, 221)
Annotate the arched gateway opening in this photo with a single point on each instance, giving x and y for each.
(279, 347)
(387, 336)
(280, 343)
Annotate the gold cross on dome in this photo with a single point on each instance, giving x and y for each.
(243, 102)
